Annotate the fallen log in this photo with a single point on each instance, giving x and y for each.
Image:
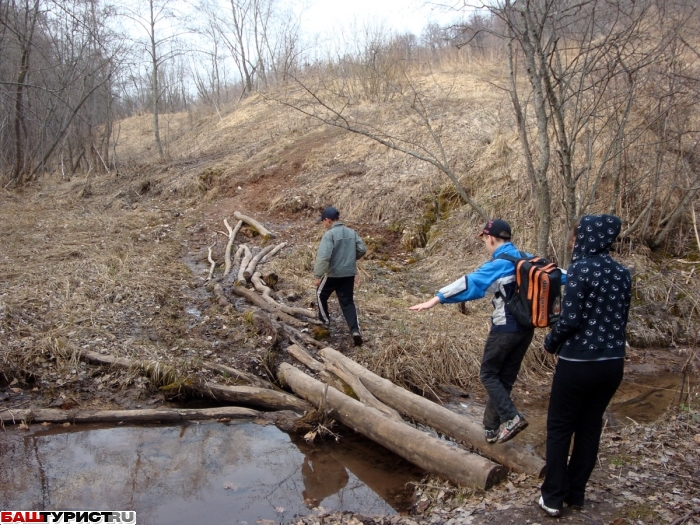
(266, 292)
(53, 415)
(364, 395)
(250, 269)
(247, 256)
(247, 395)
(457, 426)
(305, 358)
(221, 298)
(274, 252)
(298, 337)
(424, 450)
(267, 234)
(300, 354)
(250, 395)
(235, 373)
(231, 237)
(264, 305)
(265, 326)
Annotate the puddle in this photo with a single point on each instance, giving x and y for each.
(202, 473)
(194, 312)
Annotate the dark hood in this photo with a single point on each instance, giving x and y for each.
(595, 235)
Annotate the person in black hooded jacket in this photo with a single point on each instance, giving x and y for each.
(589, 339)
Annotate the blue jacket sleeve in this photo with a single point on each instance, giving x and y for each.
(572, 308)
(476, 284)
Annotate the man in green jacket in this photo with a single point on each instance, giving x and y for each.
(335, 269)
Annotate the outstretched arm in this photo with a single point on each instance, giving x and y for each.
(426, 305)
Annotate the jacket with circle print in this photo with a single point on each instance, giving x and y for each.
(596, 298)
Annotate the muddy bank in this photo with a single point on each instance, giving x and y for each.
(647, 474)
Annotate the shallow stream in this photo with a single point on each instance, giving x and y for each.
(205, 472)
(240, 472)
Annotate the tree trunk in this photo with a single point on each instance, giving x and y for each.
(424, 450)
(457, 426)
(253, 396)
(154, 84)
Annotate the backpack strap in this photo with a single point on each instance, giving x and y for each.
(511, 258)
(515, 261)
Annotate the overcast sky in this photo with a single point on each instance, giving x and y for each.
(325, 16)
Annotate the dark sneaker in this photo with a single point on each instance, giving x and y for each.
(357, 338)
(554, 513)
(491, 435)
(512, 428)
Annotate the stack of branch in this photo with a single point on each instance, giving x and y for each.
(248, 264)
(375, 414)
(244, 253)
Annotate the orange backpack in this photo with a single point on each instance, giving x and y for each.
(536, 300)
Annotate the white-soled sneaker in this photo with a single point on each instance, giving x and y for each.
(491, 435)
(554, 513)
(512, 427)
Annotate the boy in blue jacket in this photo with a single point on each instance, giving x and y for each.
(507, 341)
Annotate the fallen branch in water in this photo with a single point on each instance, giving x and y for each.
(420, 448)
(53, 415)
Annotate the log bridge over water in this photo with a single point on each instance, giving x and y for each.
(342, 389)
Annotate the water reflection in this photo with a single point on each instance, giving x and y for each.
(323, 476)
(209, 472)
(327, 468)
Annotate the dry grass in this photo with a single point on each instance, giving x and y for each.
(106, 272)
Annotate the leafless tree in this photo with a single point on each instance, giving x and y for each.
(584, 62)
(261, 38)
(158, 21)
(58, 60)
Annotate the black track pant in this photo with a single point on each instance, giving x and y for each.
(581, 390)
(343, 288)
(503, 355)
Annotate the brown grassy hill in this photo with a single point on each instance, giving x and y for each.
(115, 262)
